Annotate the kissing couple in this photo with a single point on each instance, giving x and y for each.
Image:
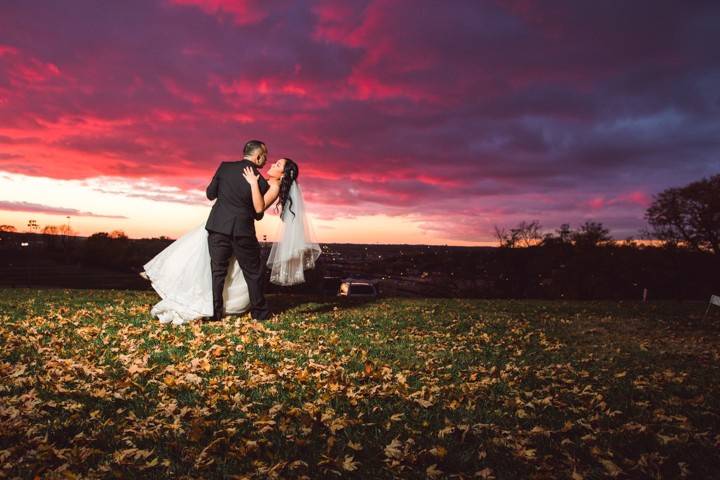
(216, 269)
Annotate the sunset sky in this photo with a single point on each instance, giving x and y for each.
(415, 121)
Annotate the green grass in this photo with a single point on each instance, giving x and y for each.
(92, 386)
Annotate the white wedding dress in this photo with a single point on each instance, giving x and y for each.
(181, 273)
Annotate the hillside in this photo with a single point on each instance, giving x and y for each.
(91, 386)
(546, 272)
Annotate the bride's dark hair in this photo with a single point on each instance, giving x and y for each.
(290, 174)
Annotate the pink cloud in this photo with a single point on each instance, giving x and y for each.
(7, 50)
(242, 12)
(629, 199)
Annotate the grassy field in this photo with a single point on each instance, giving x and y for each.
(91, 386)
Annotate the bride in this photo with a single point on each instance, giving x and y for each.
(181, 274)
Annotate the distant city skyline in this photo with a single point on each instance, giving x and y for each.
(413, 122)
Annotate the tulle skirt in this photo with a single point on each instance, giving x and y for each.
(182, 276)
(296, 249)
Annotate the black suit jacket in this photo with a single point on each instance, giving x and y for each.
(233, 212)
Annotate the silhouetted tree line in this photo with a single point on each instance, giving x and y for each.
(112, 250)
(115, 250)
(681, 217)
(588, 263)
(528, 234)
(583, 262)
(593, 271)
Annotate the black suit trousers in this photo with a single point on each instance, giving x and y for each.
(247, 252)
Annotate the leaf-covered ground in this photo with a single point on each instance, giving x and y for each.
(92, 386)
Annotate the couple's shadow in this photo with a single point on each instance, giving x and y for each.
(318, 304)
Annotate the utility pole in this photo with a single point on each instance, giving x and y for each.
(65, 240)
(33, 226)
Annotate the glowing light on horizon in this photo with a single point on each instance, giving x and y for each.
(105, 204)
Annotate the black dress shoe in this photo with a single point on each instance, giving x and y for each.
(262, 318)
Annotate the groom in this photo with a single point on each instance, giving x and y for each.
(231, 228)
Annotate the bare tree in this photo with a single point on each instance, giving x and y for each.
(65, 229)
(528, 233)
(503, 237)
(688, 215)
(564, 233)
(525, 234)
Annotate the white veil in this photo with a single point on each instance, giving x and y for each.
(295, 249)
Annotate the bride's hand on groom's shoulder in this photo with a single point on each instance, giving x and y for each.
(250, 176)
